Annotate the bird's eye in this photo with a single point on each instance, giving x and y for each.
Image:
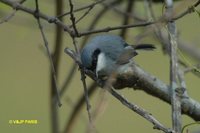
(94, 59)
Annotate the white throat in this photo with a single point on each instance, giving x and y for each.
(105, 66)
(101, 62)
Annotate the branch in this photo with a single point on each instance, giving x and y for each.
(107, 29)
(129, 8)
(121, 12)
(90, 6)
(73, 21)
(175, 98)
(8, 17)
(133, 76)
(189, 10)
(56, 61)
(85, 14)
(11, 15)
(77, 108)
(140, 111)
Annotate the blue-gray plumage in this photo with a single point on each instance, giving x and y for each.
(104, 53)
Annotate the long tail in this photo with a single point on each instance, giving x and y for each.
(144, 47)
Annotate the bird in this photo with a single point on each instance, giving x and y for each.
(104, 54)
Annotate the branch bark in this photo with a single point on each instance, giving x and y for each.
(134, 77)
(175, 98)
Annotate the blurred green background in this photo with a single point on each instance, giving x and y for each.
(25, 73)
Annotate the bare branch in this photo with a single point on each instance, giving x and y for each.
(90, 6)
(175, 98)
(141, 112)
(7, 18)
(83, 77)
(78, 106)
(73, 20)
(129, 8)
(107, 29)
(11, 15)
(192, 68)
(189, 10)
(85, 14)
(134, 77)
(121, 12)
(188, 68)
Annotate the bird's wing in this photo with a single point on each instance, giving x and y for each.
(126, 55)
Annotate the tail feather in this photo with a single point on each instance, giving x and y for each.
(144, 47)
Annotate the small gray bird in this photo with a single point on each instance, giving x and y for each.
(103, 54)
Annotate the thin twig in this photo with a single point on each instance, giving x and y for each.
(81, 8)
(121, 12)
(107, 29)
(157, 27)
(11, 15)
(130, 4)
(7, 18)
(85, 14)
(78, 106)
(88, 106)
(192, 68)
(140, 111)
(189, 10)
(83, 77)
(73, 19)
(48, 51)
(188, 68)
